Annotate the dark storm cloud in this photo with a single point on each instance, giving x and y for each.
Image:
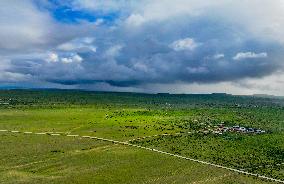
(133, 50)
(147, 56)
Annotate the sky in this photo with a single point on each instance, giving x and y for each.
(181, 46)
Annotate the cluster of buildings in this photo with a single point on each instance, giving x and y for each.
(222, 129)
(2, 102)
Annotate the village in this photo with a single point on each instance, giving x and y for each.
(2, 102)
(221, 128)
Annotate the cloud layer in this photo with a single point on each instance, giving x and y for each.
(130, 46)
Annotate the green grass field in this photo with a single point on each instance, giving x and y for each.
(44, 159)
(29, 158)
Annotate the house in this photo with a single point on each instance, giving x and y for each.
(250, 130)
(242, 129)
(236, 128)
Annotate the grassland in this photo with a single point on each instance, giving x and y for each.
(125, 116)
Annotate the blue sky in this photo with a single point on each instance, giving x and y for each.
(66, 14)
(182, 46)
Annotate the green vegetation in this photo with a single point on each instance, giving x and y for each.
(127, 116)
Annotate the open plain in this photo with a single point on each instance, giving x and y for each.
(61, 136)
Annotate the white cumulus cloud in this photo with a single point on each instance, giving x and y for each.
(135, 20)
(72, 59)
(52, 57)
(249, 55)
(184, 44)
(82, 45)
(218, 56)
